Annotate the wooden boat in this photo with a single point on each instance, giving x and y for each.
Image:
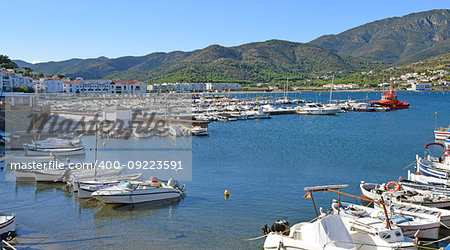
(428, 228)
(376, 191)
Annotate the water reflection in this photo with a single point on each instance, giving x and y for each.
(140, 209)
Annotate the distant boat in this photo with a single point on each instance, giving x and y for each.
(389, 99)
(317, 109)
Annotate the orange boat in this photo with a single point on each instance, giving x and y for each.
(389, 99)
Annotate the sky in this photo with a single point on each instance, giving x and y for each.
(55, 30)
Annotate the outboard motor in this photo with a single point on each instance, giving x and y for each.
(281, 226)
(173, 183)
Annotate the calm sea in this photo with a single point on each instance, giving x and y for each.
(265, 164)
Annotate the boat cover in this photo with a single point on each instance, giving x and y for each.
(330, 232)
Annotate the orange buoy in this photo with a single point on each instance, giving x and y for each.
(397, 186)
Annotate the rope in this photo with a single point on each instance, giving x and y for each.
(436, 241)
(409, 165)
(442, 224)
(262, 236)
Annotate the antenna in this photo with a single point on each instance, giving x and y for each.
(435, 120)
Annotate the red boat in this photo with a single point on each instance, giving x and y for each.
(389, 99)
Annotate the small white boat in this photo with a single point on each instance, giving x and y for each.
(55, 151)
(442, 133)
(7, 227)
(199, 131)
(132, 192)
(55, 143)
(142, 134)
(316, 109)
(428, 228)
(328, 232)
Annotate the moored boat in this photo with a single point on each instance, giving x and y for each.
(132, 192)
(390, 100)
(428, 228)
(7, 227)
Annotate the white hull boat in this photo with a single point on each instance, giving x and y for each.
(55, 152)
(368, 233)
(428, 228)
(7, 227)
(316, 109)
(138, 192)
(328, 232)
(442, 133)
(375, 191)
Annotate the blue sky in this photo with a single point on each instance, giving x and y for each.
(56, 30)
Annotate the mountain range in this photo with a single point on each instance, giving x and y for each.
(380, 44)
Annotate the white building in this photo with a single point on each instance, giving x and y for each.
(418, 86)
(178, 87)
(222, 86)
(341, 86)
(51, 85)
(104, 86)
(10, 80)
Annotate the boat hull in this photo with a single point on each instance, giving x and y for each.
(7, 227)
(133, 197)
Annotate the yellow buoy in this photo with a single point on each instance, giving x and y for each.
(104, 144)
(227, 193)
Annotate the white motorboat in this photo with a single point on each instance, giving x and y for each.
(199, 131)
(328, 232)
(316, 109)
(375, 191)
(132, 192)
(428, 228)
(7, 227)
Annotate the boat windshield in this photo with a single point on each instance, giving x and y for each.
(126, 185)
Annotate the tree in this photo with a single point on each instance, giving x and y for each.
(40, 75)
(6, 63)
(60, 76)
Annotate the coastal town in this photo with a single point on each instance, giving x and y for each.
(11, 81)
(274, 125)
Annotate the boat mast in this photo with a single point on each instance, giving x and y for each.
(331, 89)
(95, 154)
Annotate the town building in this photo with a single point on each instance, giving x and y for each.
(104, 86)
(10, 80)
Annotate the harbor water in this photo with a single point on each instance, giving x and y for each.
(265, 164)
